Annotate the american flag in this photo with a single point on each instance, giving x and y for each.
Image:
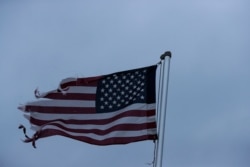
(118, 108)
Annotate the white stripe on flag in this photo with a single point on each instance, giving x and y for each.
(81, 89)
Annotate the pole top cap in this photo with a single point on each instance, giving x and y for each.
(167, 53)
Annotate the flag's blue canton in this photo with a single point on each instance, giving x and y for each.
(118, 90)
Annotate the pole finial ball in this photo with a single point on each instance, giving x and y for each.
(167, 53)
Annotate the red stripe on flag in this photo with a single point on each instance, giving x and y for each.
(61, 110)
(113, 140)
(90, 81)
(70, 96)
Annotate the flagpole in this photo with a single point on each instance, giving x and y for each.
(162, 106)
(160, 86)
(158, 107)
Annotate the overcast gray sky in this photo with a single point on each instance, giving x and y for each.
(208, 115)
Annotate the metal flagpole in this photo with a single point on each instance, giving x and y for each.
(158, 106)
(162, 107)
